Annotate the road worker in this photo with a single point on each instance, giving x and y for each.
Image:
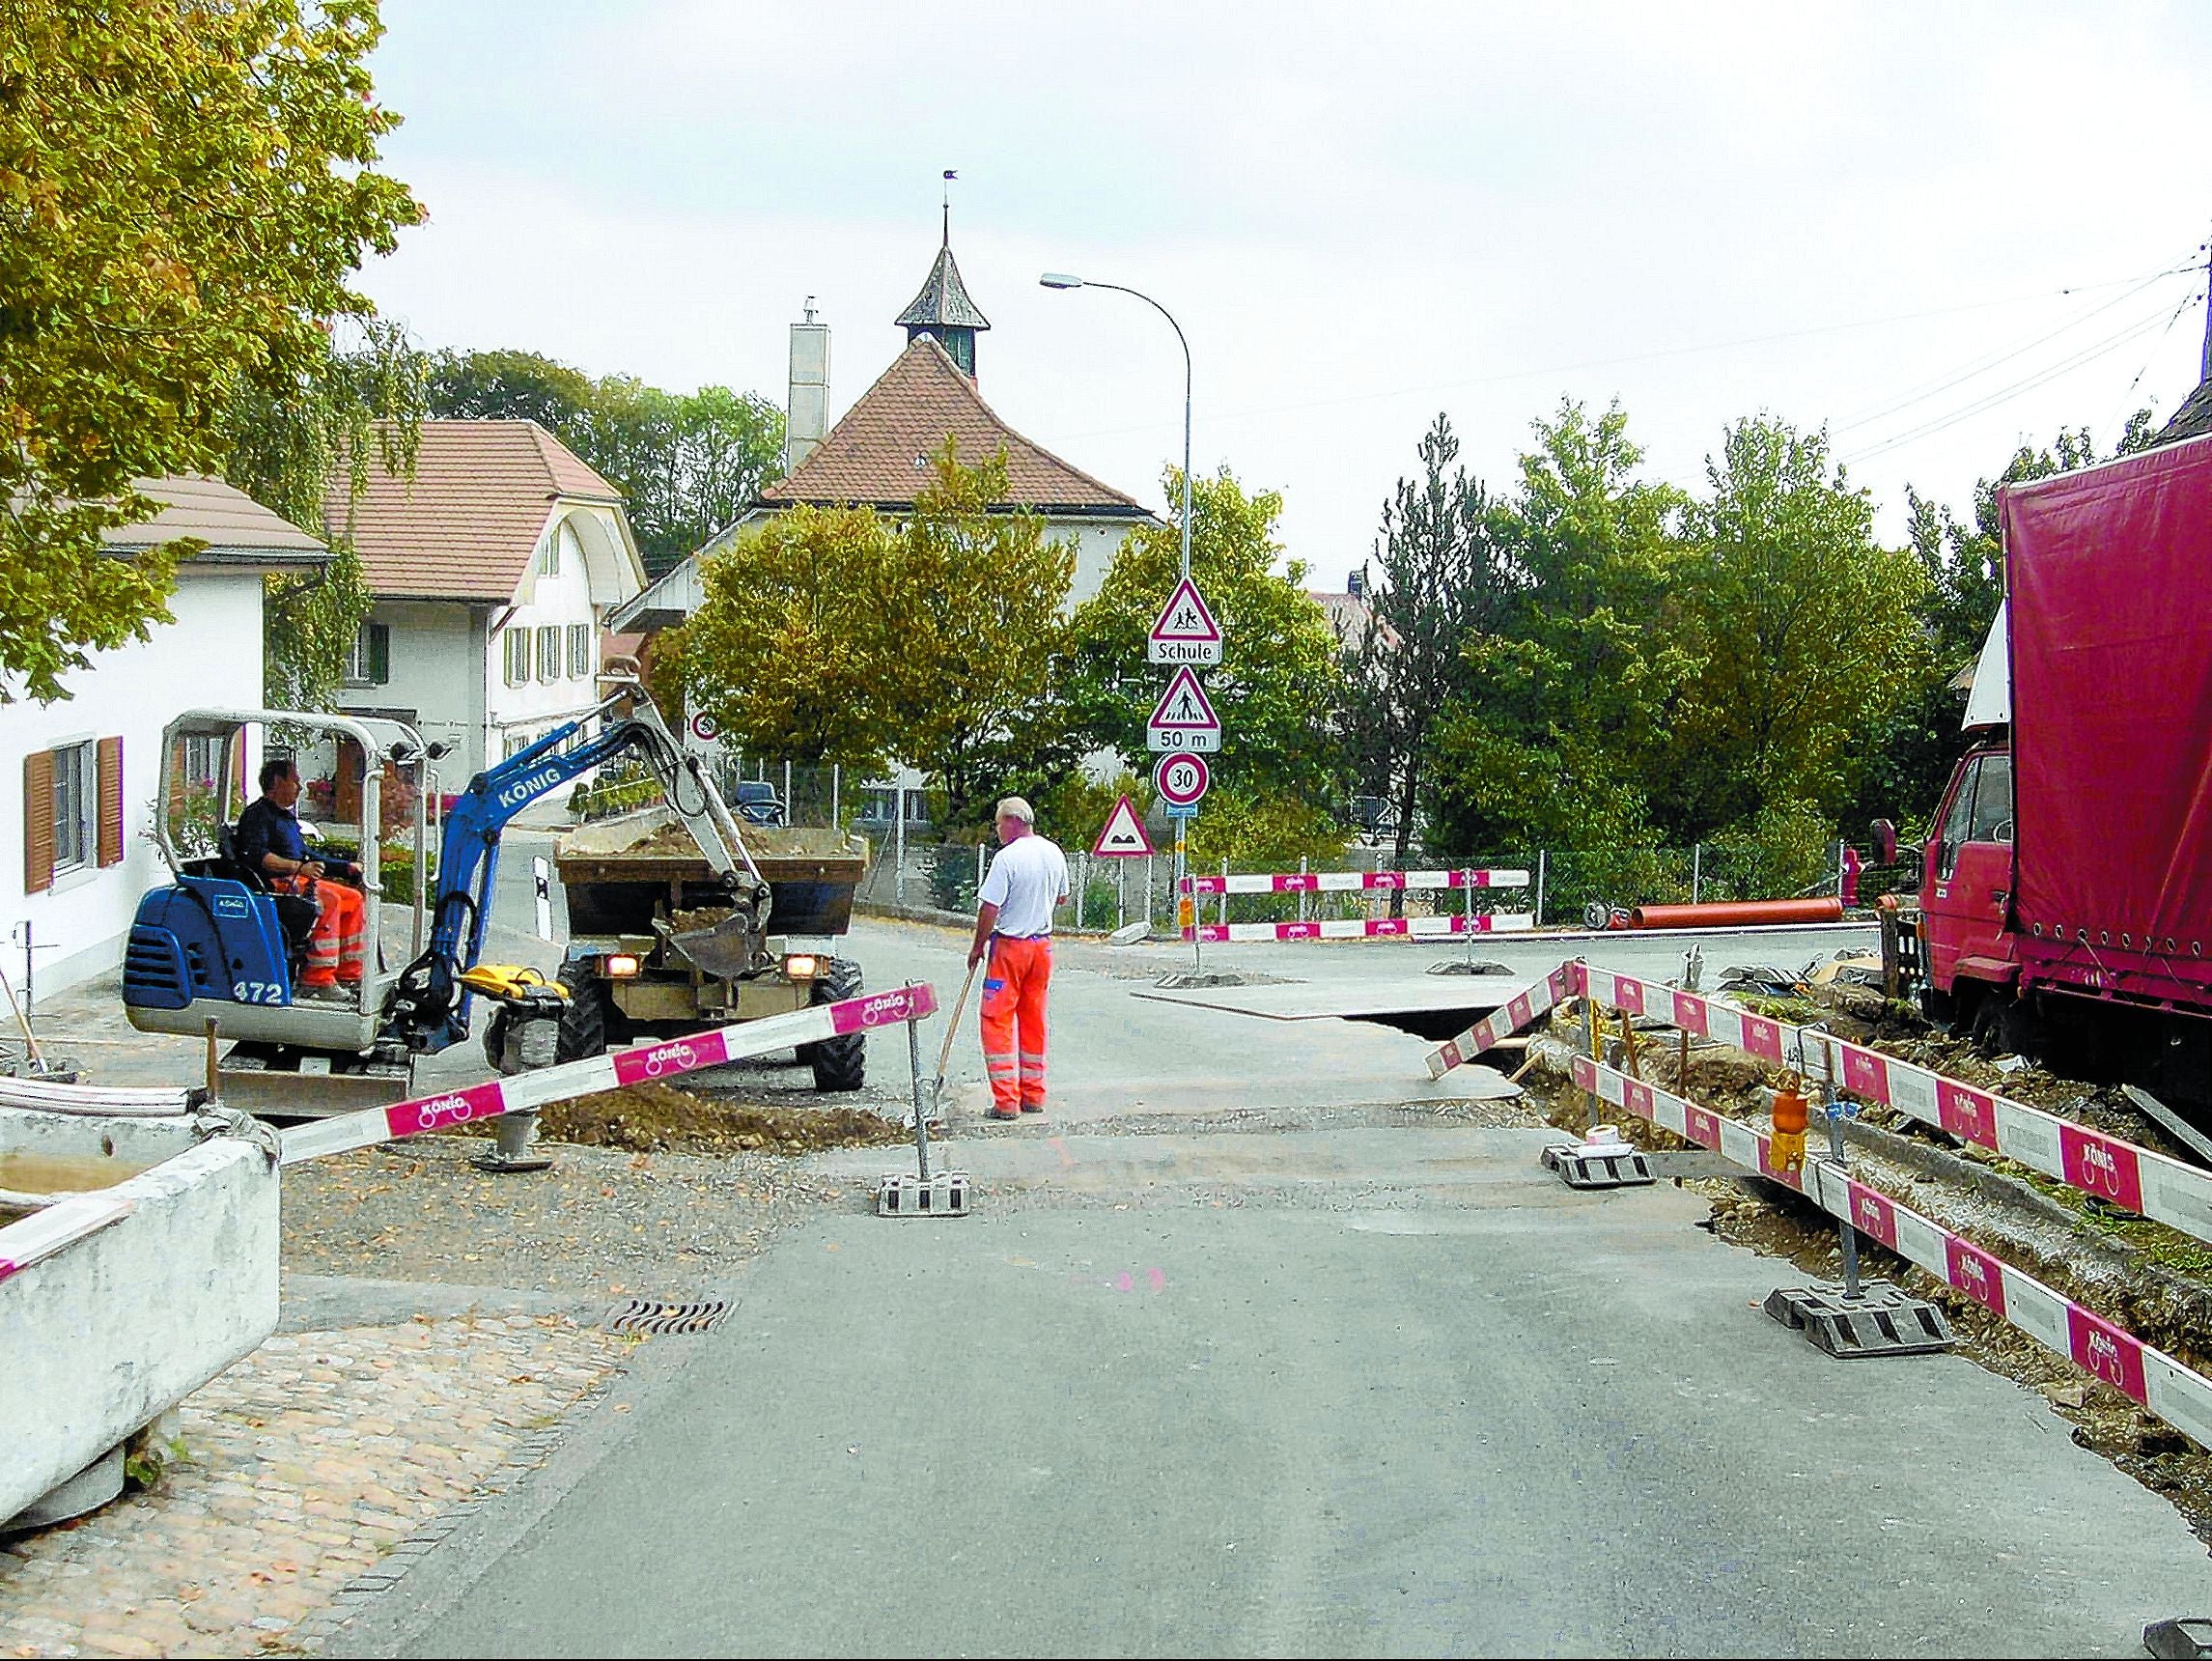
(1028, 877)
(268, 840)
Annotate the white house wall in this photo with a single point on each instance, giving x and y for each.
(556, 600)
(210, 656)
(1097, 542)
(437, 684)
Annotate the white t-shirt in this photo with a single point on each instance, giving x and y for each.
(1027, 877)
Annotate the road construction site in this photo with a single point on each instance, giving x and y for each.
(1262, 1340)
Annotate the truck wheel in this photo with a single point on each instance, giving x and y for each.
(838, 1063)
(589, 1022)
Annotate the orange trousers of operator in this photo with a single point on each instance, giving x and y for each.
(337, 949)
(1015, 979)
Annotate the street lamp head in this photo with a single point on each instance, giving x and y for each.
(1060, 280)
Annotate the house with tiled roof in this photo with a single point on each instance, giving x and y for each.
(877, 454)
(493, 568)
(78, 797)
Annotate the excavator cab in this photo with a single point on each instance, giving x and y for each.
(215, 943)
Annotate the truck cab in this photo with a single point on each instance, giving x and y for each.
(1966, 883)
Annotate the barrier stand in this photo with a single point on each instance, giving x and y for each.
(1601, 1159)
(1880, 1319)
(898, 1194)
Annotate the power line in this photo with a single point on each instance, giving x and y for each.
(1631, 357)
(2005, 394)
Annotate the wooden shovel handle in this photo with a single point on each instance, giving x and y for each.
(952, 1027)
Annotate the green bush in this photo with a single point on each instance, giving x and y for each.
(1785, 849)
(396, 874)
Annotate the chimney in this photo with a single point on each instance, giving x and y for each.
(806, 412)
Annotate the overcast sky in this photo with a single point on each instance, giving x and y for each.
(1937, 230)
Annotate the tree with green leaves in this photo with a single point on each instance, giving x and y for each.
(1552, 734)
(839, 635)
(1805, 629)
(185, 193)
(287, 445)
(973, 608)
(787, 652)
(1444, 577)
(1277, 686)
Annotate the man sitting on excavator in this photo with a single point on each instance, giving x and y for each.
(269, 843)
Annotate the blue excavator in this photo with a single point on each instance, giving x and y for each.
(216, 953)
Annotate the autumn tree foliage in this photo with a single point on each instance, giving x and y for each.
(186, 192)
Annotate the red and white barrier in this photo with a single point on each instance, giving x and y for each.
(2121, 1172)
(1518, 1011)
(668, 1058)
(1369, 928)
(1354, 881)
(2178, 1394)
(45, 1231)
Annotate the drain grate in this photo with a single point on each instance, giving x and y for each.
(660, 1315)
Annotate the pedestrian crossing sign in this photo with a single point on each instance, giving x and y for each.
(1186, 632)
(1184, 719)
(1124, 836)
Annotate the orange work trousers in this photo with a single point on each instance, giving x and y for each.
(337, 949)
(1015, 979)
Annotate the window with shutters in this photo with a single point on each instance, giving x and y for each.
(108, 804)
(579, 650)
(550, 652)
(75, 800)
(518, 656)
(368, 658)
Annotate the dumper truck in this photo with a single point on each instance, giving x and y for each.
(2066, 891)
(652, 954)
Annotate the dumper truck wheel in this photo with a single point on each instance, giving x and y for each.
(589, 1021)
(838, 1063)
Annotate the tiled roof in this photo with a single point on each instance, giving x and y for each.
(2193, 420)
(944, 299)
(237, 529)
(878, 454)
(466, 526)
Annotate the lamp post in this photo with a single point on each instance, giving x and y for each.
(1062, 280)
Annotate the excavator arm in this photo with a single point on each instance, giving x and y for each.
(430, 1004)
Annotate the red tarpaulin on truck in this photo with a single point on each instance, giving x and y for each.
(2109, 576)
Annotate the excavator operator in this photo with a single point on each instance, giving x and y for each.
(269, 843)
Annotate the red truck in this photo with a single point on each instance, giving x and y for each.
(2066, 899)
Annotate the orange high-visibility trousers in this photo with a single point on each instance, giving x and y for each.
(1015, 979)
(337, 949)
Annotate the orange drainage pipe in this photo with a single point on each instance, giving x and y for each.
(1737, 914)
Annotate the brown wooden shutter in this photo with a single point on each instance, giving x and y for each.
(110, 802)
(38, 822)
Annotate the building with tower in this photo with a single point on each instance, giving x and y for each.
(878, 453)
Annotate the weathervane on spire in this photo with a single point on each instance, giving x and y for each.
(950, 174)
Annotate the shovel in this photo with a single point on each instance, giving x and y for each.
(951, 1031)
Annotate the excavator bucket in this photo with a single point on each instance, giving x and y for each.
(722, 950)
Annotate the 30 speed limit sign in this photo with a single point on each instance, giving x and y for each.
(1181, 781)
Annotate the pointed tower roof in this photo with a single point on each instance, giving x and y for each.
(944, 301)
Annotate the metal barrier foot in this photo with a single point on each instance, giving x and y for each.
(1613, 1165)
(2178, 1640)
(902, 1194)
(1881, 1320)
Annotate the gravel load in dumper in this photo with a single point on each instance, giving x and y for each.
(658, 947)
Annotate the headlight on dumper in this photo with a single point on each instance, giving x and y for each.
(619, 965)
(802, 966)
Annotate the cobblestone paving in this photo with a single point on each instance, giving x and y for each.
(307, 1464)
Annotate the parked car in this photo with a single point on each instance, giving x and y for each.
(756, 802)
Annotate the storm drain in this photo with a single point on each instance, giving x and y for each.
(658, 1315)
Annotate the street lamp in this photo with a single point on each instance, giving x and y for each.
(1062, 280)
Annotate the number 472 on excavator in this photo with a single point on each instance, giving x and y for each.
(217, 944)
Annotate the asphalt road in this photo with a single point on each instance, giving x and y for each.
(1248, 1348)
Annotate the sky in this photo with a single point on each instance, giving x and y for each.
(1939, 232)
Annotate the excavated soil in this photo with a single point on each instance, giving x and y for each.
(2162, 1291)
(660, 1119)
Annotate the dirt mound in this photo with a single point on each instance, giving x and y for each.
(659, 1118)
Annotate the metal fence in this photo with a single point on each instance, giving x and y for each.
(1567, 887)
